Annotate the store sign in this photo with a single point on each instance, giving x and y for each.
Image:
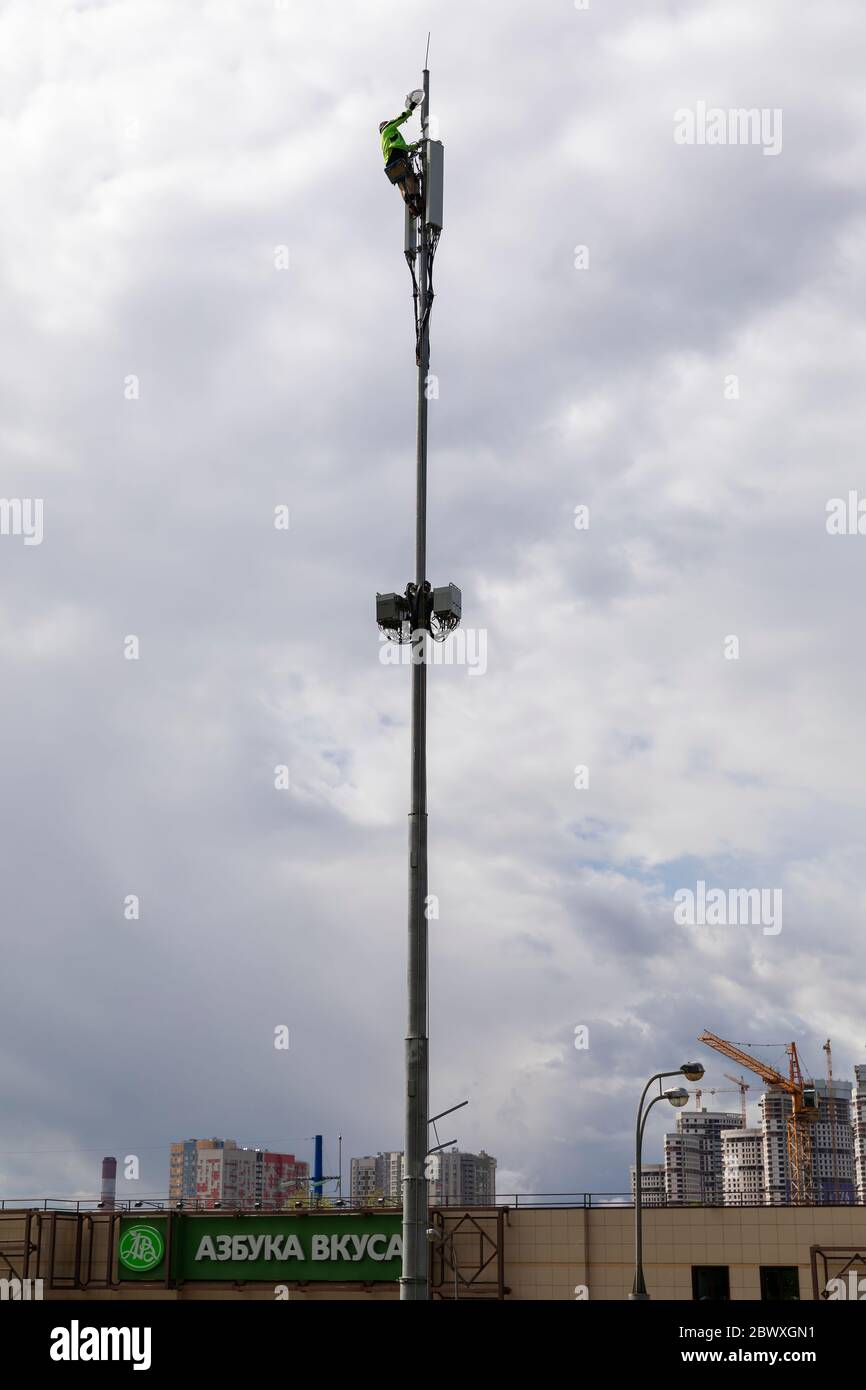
(141, 1248)
(359, 1247)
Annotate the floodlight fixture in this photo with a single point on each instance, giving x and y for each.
(447, 608)
(393, 615)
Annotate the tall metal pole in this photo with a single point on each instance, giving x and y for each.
(414, 1283)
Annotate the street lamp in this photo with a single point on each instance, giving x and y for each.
(677, 1096)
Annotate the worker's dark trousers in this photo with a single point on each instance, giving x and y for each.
(409, 185)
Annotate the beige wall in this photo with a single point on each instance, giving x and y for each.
(547, 1252)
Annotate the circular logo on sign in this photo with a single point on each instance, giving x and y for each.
(141, 1248)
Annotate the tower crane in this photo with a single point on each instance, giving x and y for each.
(804, 1111)
(743, 1086)
(714, 1091)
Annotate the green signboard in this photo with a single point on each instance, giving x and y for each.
(141, 1248)
(271, 1248)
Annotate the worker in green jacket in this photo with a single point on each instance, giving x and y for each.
(397, 153)
(393, 143)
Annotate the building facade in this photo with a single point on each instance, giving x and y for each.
(364, 1180)
(392, 1175)
(560, 1253)
(455, 1178)
(742, 1167)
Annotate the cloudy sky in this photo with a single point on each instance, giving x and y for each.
(693, 376)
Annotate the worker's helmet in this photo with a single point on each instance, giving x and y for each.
(382, 125)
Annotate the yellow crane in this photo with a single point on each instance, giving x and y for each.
(804, 1111)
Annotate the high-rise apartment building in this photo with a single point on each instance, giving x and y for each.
(775, 1105)
(205, 1172)
(375, 1176)
(859, 1127)
(392, 1174)
(183, 1166)
(364, 1186)
(693, 1157)
(652, 1184)
(742, 1167)
(833, 1144)
(454, 1178)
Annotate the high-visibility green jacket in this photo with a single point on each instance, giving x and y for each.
(392, 141)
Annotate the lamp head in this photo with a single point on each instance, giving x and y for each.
(678, 1096)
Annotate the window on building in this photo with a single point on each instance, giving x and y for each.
(710, 1282)
(779, 1282)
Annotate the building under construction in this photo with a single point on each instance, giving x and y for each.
(694, 1170)
(832, 1145)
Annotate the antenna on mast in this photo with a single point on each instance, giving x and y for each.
(427, 54)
